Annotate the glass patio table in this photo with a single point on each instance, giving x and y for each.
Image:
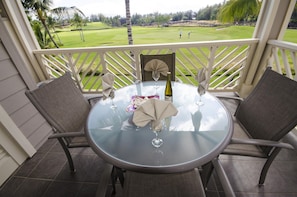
(195, 136)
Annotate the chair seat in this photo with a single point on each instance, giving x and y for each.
(242, 149)
(79, 142)
(163, 185)
(239, 132)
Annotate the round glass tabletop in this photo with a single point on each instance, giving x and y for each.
(193, 137)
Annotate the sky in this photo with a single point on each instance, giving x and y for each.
(117, 7)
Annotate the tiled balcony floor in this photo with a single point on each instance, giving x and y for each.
(47, 174)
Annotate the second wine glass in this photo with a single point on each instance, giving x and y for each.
(156, 76)
(157, 128)
(112, 94)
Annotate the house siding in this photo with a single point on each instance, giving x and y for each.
(17, 105)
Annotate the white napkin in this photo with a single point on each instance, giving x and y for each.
(107, 85)
(153, 110)
(157, 65)
(202, 81)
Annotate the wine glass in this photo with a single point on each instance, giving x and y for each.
(201, 91)
(157, 127)
(156, 76)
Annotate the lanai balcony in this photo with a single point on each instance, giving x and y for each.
(232, 65)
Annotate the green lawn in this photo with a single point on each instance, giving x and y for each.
(99, 34)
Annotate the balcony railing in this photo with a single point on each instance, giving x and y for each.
(226, 61)
(283, 57)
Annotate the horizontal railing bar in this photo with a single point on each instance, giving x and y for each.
(283, 44)
(149, 46)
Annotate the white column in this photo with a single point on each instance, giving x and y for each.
(272, 23)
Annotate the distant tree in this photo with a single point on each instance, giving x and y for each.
(113, 21)
(208, 13)
(204, 14)
(146, 19)
(116, 21)
(94, 18)
(293, 21)
(238, 10)
(136, 19)
(177, 16)
(215, 11)
(160, 18)
(188, 15)
(101, 17)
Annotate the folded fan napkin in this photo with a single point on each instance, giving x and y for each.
(202, 81)
(157, 65)
(153, 110)
(107, 85)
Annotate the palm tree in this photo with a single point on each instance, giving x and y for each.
(236, 10)
(40, 7)
(78, 22)
(66, 13)
(72, 14)
(42, 39)
(51, 23)
(129, 28)
(128, 22)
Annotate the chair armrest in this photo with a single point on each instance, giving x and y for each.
(229, 97)
(291, 138)
(68, 134)
(260, 142)
(93, 99)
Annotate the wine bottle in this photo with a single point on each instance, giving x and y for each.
(168, 88)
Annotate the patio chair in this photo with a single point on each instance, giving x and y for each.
(169, 59)
(160, 185)
(264, 118)
(62, 104)
(65, 108)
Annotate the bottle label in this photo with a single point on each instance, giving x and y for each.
(168, 98)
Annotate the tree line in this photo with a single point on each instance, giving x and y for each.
(208, 13)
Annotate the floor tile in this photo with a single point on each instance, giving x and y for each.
(32, 188)
(11, 186)
(63, 189)
(28, 166)
(50, 166)
(88, 169)
(87, 190)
